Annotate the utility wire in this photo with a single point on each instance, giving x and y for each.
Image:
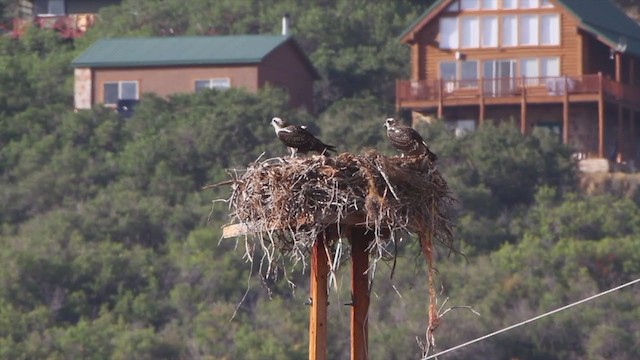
(533, 319)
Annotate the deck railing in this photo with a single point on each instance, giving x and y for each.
(410, 90)
(69, 26)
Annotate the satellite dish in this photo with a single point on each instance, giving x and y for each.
(621, 46)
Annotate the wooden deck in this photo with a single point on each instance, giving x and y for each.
(424, 94)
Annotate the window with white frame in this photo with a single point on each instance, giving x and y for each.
(454, 7)
(49, 7)
(459, 74)
(529, 71)
(448, 33)
(532, 69)
(489, 4)
(509, 30)
(215, 83)
(546, 4)
(528, 30)
(469, 4)
(510, 4)
(529, 4)
(470, 32)
(119, 90)
(489, 31)
(550, 66)
(550, 29)
(468, 73)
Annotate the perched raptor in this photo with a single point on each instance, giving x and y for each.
(298, 139)
(407, 140)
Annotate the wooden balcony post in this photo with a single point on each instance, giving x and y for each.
(481, 100)
(618, 67)
(621, 143)
(440, 100)
(565, 113)
(318, 308)
(632, 133)
(600, 117)
(523, 111)
(359, 293)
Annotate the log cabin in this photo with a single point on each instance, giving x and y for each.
(567, 65)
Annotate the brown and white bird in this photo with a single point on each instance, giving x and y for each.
(407, 140)
(298, 139)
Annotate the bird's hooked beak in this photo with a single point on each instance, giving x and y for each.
(387, 123)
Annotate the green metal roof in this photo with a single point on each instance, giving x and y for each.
(607, 22)
(601, 18)
(182, 50)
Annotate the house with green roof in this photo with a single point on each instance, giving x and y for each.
(121, 69)
(570, 66)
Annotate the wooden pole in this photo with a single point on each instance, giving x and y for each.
(481, 103)
(524, 127)
(632, 134)
(618, 71)
(359, 293)
(565, 113)
(318, 308)
(600, 116)
(440, 100)
(620, 155)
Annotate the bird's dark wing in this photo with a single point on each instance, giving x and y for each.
(409, 142)
(299, 138)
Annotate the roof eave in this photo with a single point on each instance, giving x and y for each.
(408, 35)
(162, 63)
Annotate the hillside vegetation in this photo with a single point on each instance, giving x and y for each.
(109, 247)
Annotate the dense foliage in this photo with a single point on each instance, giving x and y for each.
(109, 248)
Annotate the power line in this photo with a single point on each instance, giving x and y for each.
(534, 319)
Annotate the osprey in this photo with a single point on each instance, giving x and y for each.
(298, 139)
(407, 140)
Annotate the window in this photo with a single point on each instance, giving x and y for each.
(470, 31)
(545, 4)
(536, 68)
(469, 73)
(454, 7)
(465, 71)
(529, 4)
(448, 33)
(469, 4)
(56, 7)
(121, 90)
(49, 7)
(509, 30)
(489, 31)
(448, 70)
(528, 30)
(510, 4)
(499, 77)
(215, 83)
(550, 66)
(489, 4)
(529, 71)
(550, 29)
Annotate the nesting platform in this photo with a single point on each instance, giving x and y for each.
(293, 209)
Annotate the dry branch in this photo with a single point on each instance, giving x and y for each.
(287, 202)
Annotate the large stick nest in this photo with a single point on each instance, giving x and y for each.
(287, 202)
